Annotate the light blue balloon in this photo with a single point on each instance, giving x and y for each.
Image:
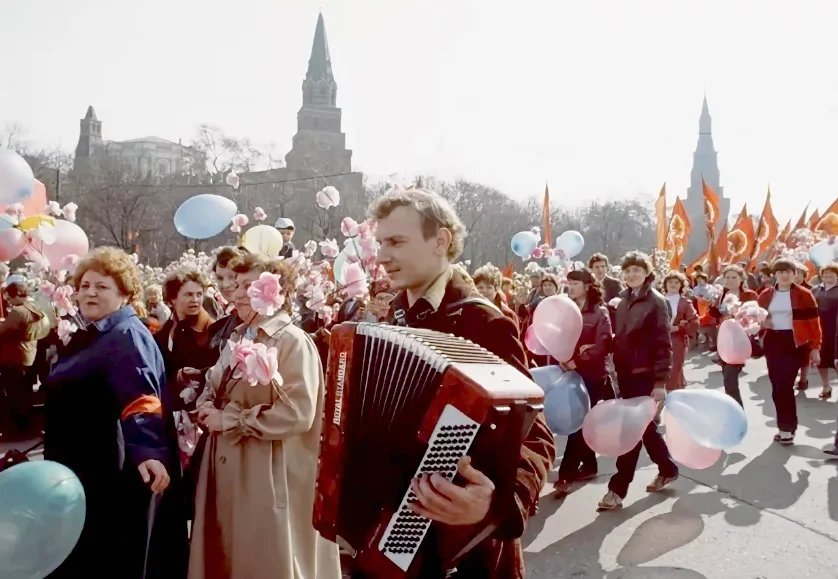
(42, 509)
(567, 404)
(712, 419)
(524, 243)
(7, 222)
(571, 242)
(546, 376)
(204, 216)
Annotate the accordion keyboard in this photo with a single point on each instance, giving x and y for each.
(451, 439)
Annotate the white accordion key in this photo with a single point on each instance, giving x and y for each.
(450, 440)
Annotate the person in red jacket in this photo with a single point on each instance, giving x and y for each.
(792, 334)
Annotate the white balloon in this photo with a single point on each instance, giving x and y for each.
(571, 242)
(17, 182)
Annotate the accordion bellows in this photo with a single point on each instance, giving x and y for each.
(400, 402)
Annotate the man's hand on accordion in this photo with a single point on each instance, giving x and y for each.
(445, 502)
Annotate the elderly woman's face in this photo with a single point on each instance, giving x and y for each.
(99, 296)
(240, 297)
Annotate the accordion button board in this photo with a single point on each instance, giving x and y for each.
(450, 441)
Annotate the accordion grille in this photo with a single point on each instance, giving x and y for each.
(395, 373)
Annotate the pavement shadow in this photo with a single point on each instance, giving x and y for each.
(578, 554)
(817, 417)
(653, 573)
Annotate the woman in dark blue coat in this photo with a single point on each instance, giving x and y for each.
(106, 420)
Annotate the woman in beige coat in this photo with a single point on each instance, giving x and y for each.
(255, 491)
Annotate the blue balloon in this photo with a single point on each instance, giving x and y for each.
(547, 376)
(524, 243)
(204, 216)
(42, 508)
(567, 404)
(710, 418)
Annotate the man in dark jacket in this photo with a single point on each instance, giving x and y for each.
(420, 234)
(643, 359)
(611, 286)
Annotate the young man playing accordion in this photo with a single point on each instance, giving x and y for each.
(420, 234)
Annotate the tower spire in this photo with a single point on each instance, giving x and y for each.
(319, 86)
(705, 122)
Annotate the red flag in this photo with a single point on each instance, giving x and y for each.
(767, 229)
(509, 270)
(700, 260)
(723, 245)
(783, 237)
(660, 217)
(678, 234)
(801, 223)
(814, 220)
(711, 216)
(741, 237)
(546, 229)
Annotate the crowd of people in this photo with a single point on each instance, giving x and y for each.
(191, 470)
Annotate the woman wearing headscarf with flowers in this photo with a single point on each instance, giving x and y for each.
(262, 406)
(107, 420)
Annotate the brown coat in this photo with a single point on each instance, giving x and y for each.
(20, 332)
(255, 492)
(499, 556)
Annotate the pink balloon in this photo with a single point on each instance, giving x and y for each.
(614, 427)
(685, 450)
(733, 344)
(70, 239)
(12, 242)
(562, 314)
(533, 345)
(36, 204)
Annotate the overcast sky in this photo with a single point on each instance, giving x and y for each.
(599, 98)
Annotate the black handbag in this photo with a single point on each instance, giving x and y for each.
(757, 351)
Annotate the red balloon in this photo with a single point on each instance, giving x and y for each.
(733, 344)
(685, 450)
(12, 242)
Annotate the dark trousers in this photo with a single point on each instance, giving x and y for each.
(15, 399)
(632, 386)
(577, 452)
(730, 374)
(783, 360)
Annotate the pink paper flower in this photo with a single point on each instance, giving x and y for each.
(365, 229)
(349, 227)
(239, 221)
(309, 248)
(239, 352)
(259, 214)
(48, 289)
(54, 209)
(326, 313)
(69, 262)
(615, 302)
(232, 180)
(329, 248)
(537, 253)
(66, 329)
(327, 197)
(69, 211)
(266, 296)
(261, 366)
(62, 301)
(355, 283)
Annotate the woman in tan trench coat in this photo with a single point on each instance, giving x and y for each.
(255, 492)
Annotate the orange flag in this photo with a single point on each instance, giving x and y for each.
(678, 234)
(660, 217)
(702, 261)
(783, 236)
(509, 270)
(801, 223)
(814, 220)
(723, 244)
(829, 221)
(741, 237)
(546, 229)
(711, 216)
(767, 229)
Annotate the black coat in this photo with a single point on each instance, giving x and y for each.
(641, 334)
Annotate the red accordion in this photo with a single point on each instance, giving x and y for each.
(400, 402)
